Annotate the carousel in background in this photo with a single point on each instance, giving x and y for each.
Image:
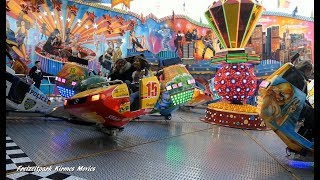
(233, 23)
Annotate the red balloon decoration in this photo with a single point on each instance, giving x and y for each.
(235, 82)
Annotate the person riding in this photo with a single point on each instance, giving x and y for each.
(122, 70)
(142, 67)
(306, 130)
(306, 68)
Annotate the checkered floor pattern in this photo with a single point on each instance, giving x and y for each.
(42, 175)
(15, 157)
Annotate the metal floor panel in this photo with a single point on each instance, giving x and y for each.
(277, 148)
(192, 156)
(64, 140)
(182, 148)
(217, 153)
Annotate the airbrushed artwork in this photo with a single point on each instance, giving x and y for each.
(101, 86)
(54, 30)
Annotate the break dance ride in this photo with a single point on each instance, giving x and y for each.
(107, 103)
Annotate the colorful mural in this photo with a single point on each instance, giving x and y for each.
(54, 30)
(187, 34)
(280, 38)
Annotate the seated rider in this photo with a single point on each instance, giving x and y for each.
(122, 70)
(142, 67)
(299, 80)
(307, 70)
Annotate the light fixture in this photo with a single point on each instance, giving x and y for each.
(174, 86)
(95, 97)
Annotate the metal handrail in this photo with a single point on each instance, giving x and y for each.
(46, 84)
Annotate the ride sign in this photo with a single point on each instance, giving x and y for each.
(152, 89)
(149, 92)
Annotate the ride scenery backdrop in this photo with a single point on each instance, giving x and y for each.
(92, 28)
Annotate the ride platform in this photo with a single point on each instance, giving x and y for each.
(148, 148)
(234, 115)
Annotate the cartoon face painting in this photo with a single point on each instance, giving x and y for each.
(272, 100)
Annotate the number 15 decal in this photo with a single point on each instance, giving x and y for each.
(152, 89)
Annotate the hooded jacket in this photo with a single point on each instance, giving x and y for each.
(125, 73)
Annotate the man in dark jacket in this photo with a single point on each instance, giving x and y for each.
(35, 74)
(122, 70)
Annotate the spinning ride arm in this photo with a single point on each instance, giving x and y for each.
(282, 103)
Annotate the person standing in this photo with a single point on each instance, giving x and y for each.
(208, 43)
(178, 41)
(36, 74)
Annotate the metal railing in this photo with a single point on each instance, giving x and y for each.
(51, 85)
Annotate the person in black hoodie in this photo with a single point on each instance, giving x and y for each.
(35, 74)
(122, 70)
